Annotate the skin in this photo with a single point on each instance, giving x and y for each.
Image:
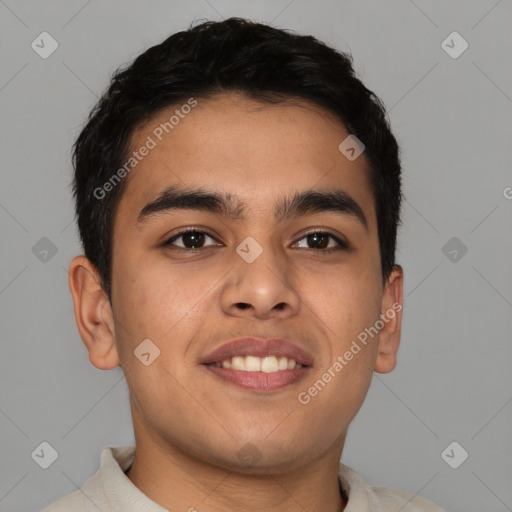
(189, 425)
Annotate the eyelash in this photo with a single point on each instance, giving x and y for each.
(341, 243)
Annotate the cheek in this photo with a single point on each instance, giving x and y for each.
(346, 303)
(158, 302)
(343, 378)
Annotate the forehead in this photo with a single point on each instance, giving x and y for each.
(254, 151)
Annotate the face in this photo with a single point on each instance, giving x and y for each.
(263, 266)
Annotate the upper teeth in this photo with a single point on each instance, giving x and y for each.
(267, 364)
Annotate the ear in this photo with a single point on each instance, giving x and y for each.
(93, 314)
(391, 317)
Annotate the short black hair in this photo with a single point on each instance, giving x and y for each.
(236, 55)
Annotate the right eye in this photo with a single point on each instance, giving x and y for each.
(192, 239)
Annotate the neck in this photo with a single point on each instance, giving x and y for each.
(178, 481)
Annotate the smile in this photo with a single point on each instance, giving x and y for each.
(267, 364)
(269, 373)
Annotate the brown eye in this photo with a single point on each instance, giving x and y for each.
(190, 239)
(321, 240)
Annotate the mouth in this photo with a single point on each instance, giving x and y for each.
(267, 364)
(259, 364)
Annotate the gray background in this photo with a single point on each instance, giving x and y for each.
(452, 119)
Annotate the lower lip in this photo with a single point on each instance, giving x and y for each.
(259, 380)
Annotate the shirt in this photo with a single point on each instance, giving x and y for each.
(110, 490)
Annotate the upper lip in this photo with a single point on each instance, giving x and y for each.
(259, 347)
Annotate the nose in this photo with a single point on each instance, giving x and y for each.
(262, 288)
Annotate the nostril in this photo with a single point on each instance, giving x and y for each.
(243, 305)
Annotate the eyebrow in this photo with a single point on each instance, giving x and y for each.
(221, 203)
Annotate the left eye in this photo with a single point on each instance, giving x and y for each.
(320, 240)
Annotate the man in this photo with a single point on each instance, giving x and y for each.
(238, 196)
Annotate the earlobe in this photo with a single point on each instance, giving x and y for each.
(93, 314)
(391, 318)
